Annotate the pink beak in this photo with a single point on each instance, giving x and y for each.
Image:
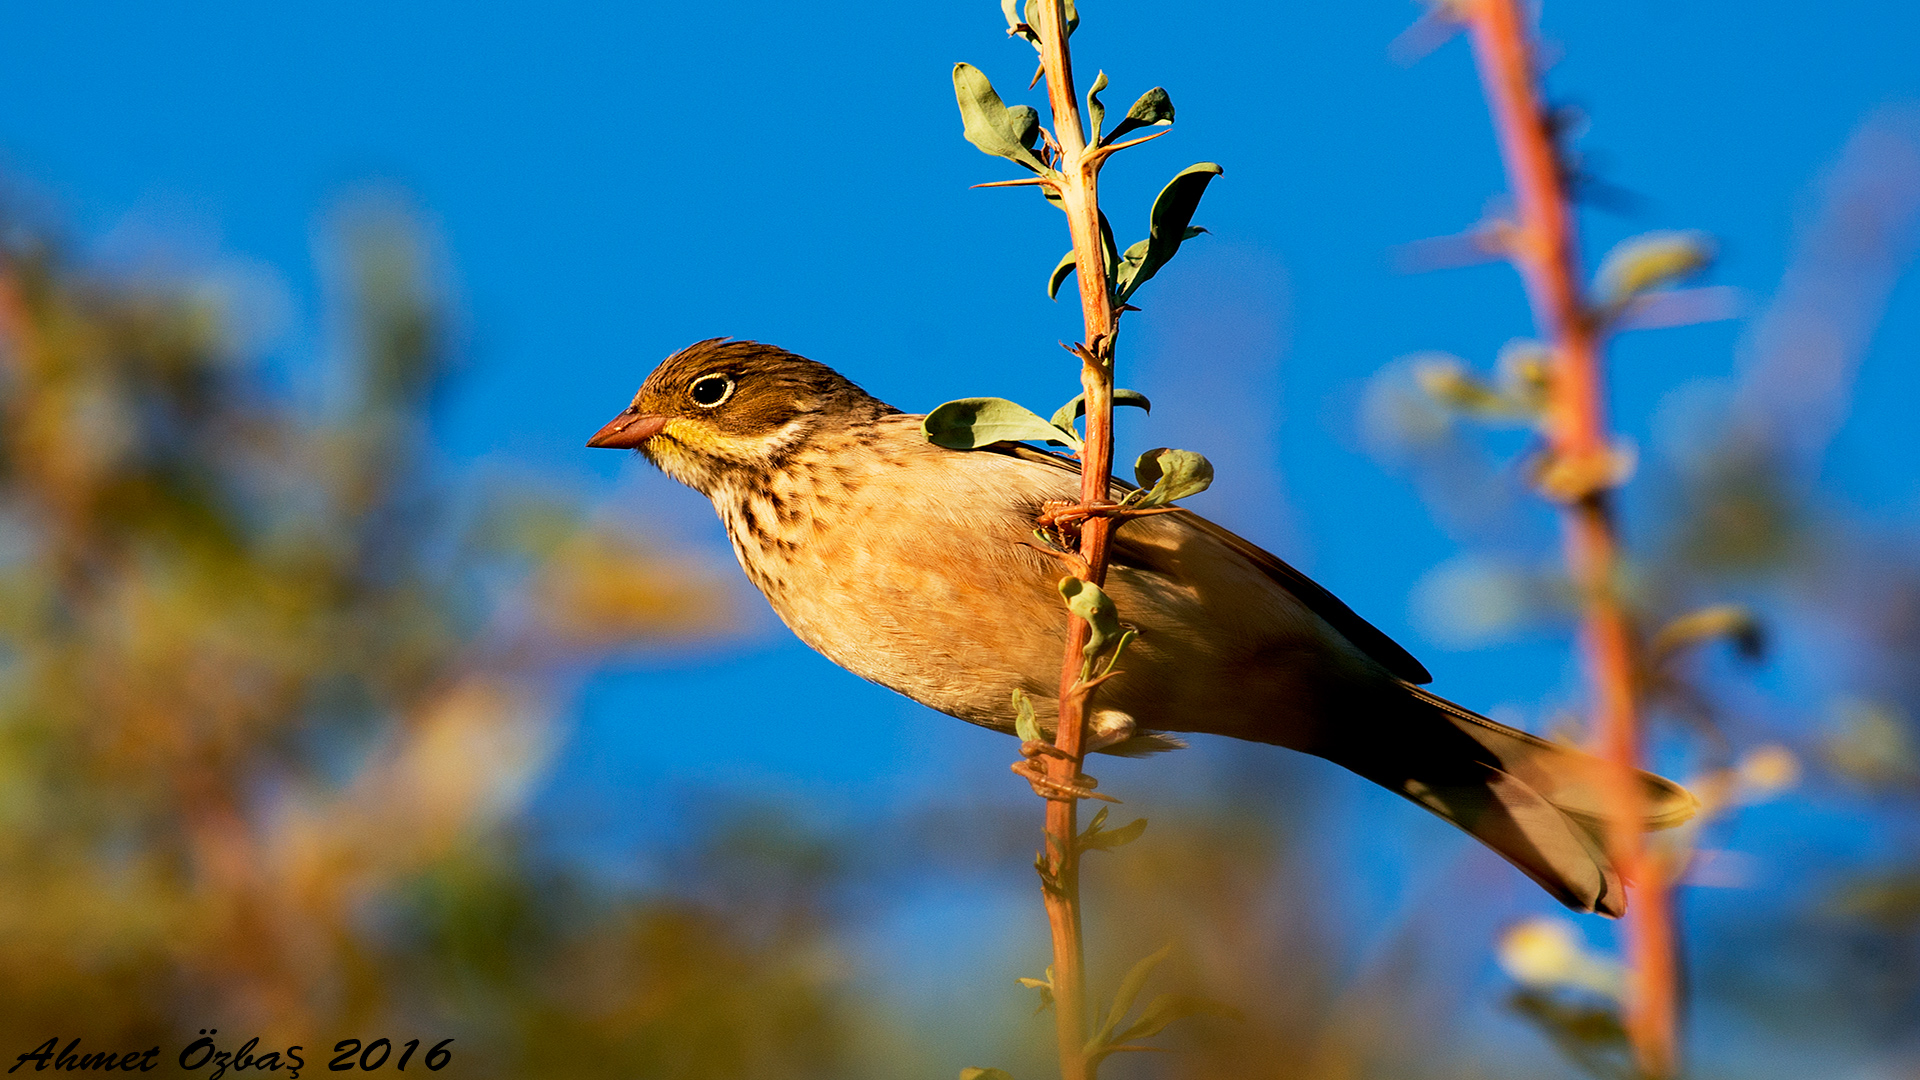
(628, 431)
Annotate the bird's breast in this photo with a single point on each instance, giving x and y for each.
(900, 568)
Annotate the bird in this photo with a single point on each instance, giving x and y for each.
(913, 566)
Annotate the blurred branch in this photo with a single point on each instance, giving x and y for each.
(1802, 352)
(1542, 243)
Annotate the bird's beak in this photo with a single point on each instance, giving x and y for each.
(628, 431)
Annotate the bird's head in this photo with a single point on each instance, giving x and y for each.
(718, 407)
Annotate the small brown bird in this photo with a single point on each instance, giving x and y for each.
(903, 562)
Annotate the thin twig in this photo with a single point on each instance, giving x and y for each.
(1068, 515)
(1105, 152)
(1028, 182)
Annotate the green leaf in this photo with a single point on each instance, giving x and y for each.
(985, 1074)
(1026, 124)
(1107, 840)
(1024, 723)
(1167, 1008)
(1059, 275)
(1647, 262)
(1590, 1035)
(1446, 380)
(1132, 258)
(1096, 112)
(1166, 475)
(1170, 226)
(1153, 108)
(1045, 986)
(1065, 415)
(987, 122)
(1109, 251)
(971, 423)
(1086, 600)
(1520, 397)
(1730, 622)
(1073, 16)
(1526, 371)
(1119, 650)
(1130, 986)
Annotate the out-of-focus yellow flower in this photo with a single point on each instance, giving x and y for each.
(1547, 953)
(1765, 771)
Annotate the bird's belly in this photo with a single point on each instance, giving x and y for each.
(958, 634)
(930, 592)
(961, 636)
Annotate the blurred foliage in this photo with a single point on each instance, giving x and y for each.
(274, 682)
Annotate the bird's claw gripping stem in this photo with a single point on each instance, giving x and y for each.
(1033, 748)
(1035, 774)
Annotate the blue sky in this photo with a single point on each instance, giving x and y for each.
(613, 181)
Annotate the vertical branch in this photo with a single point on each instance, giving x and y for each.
(1067, 168)
(1542, 244)
(1078, 193)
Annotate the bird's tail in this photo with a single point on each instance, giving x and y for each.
(1537, 803)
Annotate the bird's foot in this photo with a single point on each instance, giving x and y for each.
(1034, 772)
(1032, 749)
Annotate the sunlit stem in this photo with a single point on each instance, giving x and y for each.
(1079, 170)
(1543, 246)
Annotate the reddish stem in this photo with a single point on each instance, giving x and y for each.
(1543, 245)
(1079, 168)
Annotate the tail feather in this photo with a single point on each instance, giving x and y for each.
(1504, 813)
(1534, 802)
(1566, 777)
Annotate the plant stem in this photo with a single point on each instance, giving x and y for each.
(1543, 246)
(1078, 190)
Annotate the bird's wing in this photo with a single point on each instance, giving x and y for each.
(1363, 634)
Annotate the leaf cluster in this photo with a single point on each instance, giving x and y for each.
(1120, 1029)
(1163, 474)
(1636, 272)
(1642, 266)
(974, 423)
(279, 661)
(1116, 1034)
(1016, 134)
(1588, 1032)
(1097, 837)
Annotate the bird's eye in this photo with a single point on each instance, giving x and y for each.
(710, 390)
